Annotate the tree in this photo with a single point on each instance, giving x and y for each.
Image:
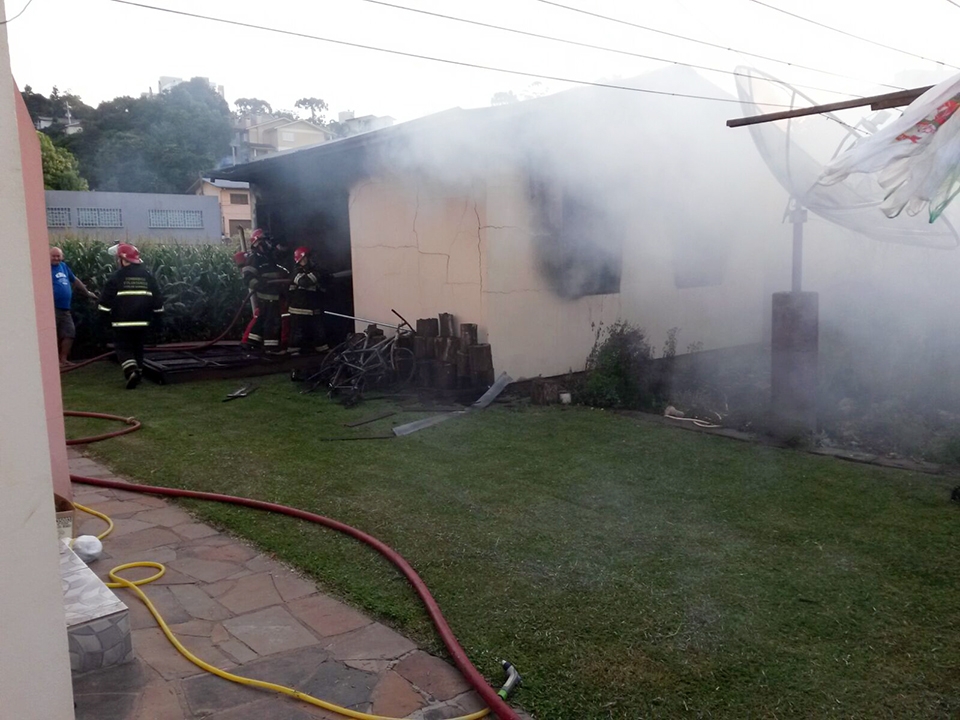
(339, 130)
(316, 106)
(60, 103)
(504, 98)
(55, 106)
(252, 106)
(60, 168)
(154, 144)
(37, 105)
(79, 110)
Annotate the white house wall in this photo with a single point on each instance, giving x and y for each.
(531, 331)
(425, 246)
(534, 332)
(416, 248)
(675, 183)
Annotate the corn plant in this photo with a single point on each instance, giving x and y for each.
(201, 285)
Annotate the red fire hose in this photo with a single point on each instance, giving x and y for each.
(473, 676)
(132, 425)
(168, 346)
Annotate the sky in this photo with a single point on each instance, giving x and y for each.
(100, 49)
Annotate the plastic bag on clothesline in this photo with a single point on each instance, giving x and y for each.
(917, 157)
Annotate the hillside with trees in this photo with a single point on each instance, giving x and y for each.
(155, 143)
(159, 143)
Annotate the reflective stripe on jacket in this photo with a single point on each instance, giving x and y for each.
(131, 298)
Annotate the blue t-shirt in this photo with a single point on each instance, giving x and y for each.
(63, 278)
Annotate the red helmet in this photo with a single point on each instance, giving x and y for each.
(128, 253)
(300, 253)
(256, 237)
(240, 258)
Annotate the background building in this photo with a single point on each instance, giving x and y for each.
(132, 216)
(236, 203)
(257, 136)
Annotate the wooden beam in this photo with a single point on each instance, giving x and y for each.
(897, 99)
(876, 102)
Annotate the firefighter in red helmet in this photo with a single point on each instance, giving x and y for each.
(265, 277)
(133, 302)
(306, 305)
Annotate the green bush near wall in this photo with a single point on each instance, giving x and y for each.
(201, 285)
(622, 370)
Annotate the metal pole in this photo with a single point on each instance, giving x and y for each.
(798, 216)
(797, 284)
(351, 317)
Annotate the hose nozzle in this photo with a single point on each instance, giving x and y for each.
(513, 679)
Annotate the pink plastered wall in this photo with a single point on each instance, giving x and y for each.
(43, 296)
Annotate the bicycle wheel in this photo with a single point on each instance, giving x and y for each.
(323, 374)
(339, 381)
(404, 365)
(357, 341)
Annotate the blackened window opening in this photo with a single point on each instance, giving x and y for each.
(578, 242)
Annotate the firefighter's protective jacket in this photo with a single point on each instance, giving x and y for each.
(259, 271)
(131, 298)
(304, 295)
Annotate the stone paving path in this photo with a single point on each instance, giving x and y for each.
(241, 610)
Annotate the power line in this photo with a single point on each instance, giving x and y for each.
(591, 46)
(713, 45)
(447, 61)
(954, 3)
(851, 35)
(18, 14)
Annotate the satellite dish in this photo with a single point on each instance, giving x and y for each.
(796, 151)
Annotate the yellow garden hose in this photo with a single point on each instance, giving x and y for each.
(91, 511)
(132, 586)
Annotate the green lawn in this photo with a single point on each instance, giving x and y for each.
(628, 569)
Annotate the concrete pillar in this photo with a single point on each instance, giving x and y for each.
(794, 355)
(34, 663)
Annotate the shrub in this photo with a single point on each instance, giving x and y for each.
(201, 286)
(620, 370)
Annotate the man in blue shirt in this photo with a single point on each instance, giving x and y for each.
(64, 281)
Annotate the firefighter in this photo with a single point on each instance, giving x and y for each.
(132, 301)
(305, 305)
(242, 259)
(264, 276)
